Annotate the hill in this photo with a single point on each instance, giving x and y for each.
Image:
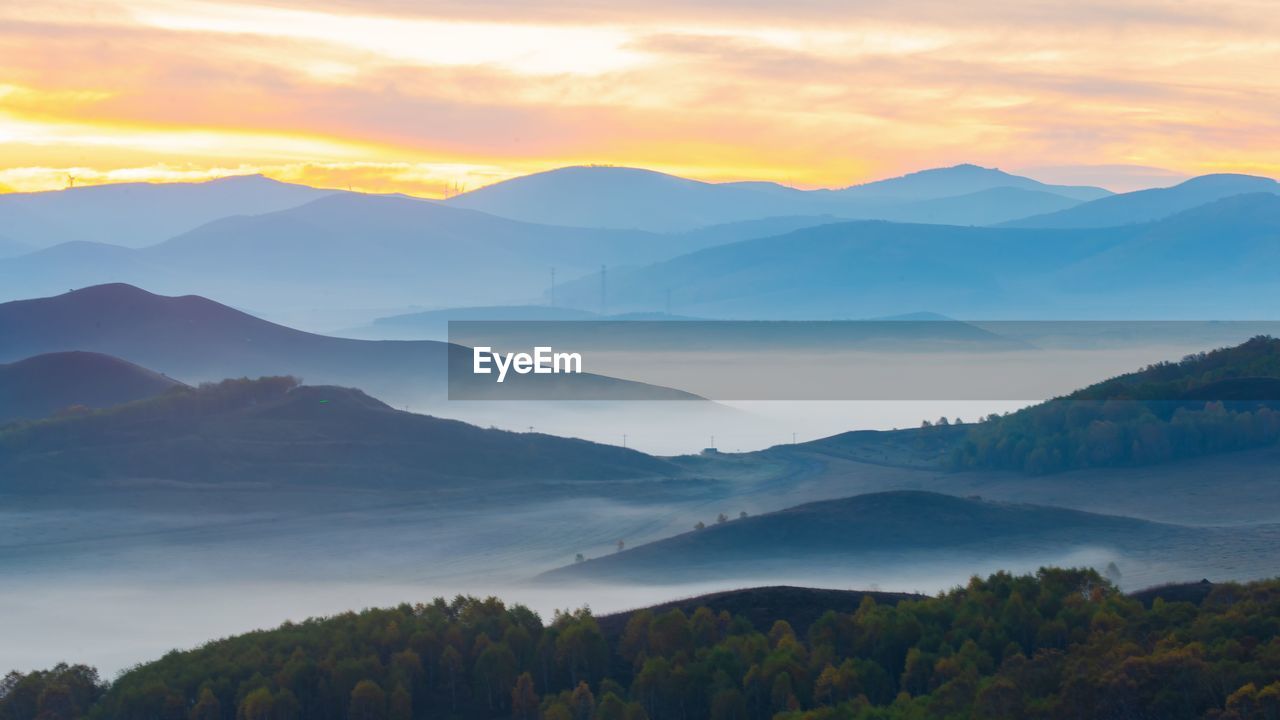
(1207, 403)
(642, 199)
(1147, 205)
(862, 531)
(853, 270)
(1060, 643)
(270, 432)
(1211, 262)
(800, 607)
(141, 214)
(960, 180)
(195, 340)
(45, 384)
(1222, 247)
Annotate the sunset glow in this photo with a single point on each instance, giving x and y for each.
(427, 98)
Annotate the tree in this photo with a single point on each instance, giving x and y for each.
(524, 699)
(207, 707)
(722, 519)
(255, 706)
(368, 702)
(700, 526)
(582, 702)
(621, 546)
(401, 707)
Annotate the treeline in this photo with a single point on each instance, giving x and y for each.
(1059, 644)
(1208, 403)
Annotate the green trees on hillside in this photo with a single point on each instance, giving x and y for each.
(1060, 644)
(1210, 402)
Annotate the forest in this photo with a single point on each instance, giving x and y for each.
(1222, 400)
(1062, 643)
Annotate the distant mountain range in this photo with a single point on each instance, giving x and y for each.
(1148, 205)
(290, 252)
(197, 340)
(40, 386)
(609, 197)
(1207, 260)
(351, 250)
(141, 214)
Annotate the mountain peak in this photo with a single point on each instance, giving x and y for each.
(962, 179)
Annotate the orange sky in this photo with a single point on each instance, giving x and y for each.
(419, 96)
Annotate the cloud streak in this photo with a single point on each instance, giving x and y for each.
(418, 97)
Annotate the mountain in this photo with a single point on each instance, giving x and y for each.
(1225, 248)
(273, 433)
(960, 180)
(647, 200)
(863, 530)
(198, 340)
(40, 386)
(348, 250)
(140, 214)
(984, 207)
(616, 197)
(1211, 262)
(1147, 205)
(852, 270)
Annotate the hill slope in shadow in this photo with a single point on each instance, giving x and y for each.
(42, 385)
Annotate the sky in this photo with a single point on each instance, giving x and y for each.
(430, 97)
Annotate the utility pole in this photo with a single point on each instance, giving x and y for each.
(624, 440)
(553, 287)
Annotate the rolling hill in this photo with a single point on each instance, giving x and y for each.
(40, 386)
(141, 214)
(852, 270)
(1147, 205)
(868, 530)
(198, 340)
(268, 432)
(642, 199)
(1211, 262)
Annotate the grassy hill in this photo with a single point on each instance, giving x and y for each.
(46, 384)
(868, 530)
(272, 432)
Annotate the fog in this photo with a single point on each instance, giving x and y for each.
(116, 619)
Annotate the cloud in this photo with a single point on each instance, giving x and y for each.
(816, 92)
